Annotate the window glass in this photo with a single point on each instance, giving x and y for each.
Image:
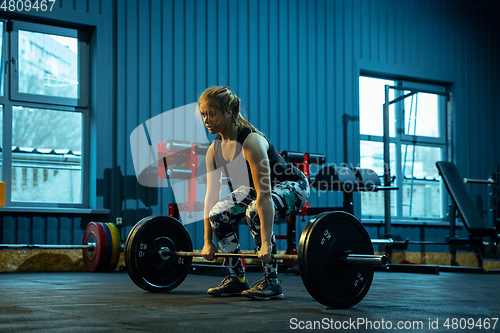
(46, 156)
(371, 106)
(421, 188)
(372, 157)
(416, 126)
(421, 115)
(420, 161)
(44, 102)
(48, 64)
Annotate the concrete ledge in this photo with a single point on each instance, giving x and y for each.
(441, 259)
(44, 261)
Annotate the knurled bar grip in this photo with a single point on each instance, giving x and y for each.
(352, 259)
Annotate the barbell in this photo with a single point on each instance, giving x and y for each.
(101, 247)
(335, 257)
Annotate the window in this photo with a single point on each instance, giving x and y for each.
(47, 64)
(43, 114)
(417, 141)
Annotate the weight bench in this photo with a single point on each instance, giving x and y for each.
(462, 203)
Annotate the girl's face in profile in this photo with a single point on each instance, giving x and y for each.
(211, 118)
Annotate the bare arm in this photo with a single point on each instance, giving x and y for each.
(255, 150)
(211, 198)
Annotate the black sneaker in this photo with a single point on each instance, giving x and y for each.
(230, 286)
(264, 289)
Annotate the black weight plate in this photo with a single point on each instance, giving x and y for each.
(132, 269)
(136, 280)
(126, 247)
(327, 279)
(130, 232)
(308, 282)
(144, 264)
(135, 276)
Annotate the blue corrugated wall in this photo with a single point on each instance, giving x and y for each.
(294, 64)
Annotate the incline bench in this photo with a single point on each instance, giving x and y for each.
(462, 203)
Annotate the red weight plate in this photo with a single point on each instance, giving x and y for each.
(93, 258)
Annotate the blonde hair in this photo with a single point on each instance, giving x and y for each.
(223, 100)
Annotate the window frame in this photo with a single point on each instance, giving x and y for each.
(11, 98)
(82, 60)
(400, 87)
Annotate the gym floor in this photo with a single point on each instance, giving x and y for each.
(111, 302)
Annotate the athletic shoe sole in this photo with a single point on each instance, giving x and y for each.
(224, 294)
(265, 298)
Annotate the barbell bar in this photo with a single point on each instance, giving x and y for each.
(351, 259)
(89, 246)
(489, 181)
(335, 257)
(101, 247)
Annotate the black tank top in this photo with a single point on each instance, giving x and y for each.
(281, 170)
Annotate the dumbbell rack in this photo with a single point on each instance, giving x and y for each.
(178, 159)
(330, 178)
